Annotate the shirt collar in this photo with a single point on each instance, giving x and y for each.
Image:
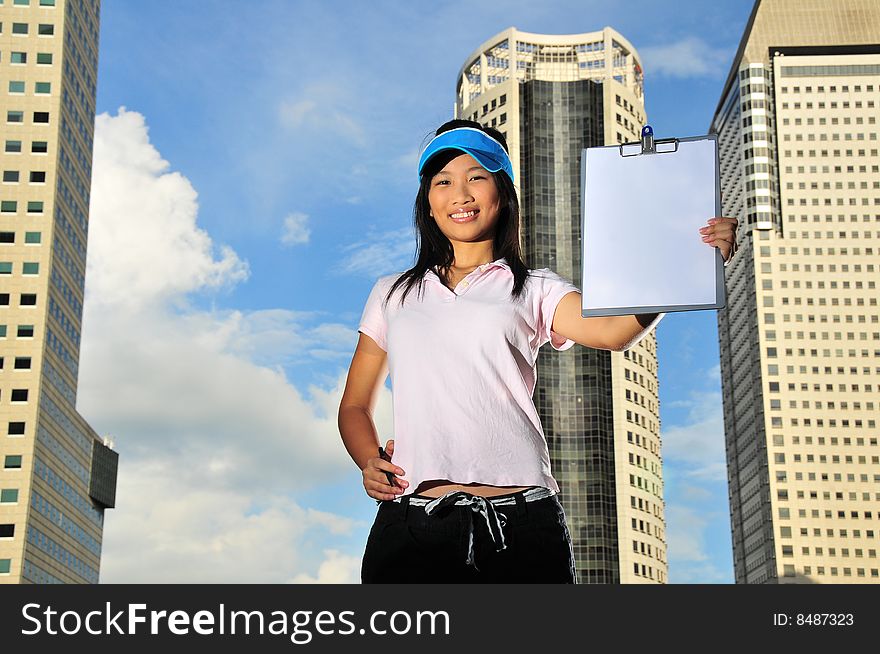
(499, 263)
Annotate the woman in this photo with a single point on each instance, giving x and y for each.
(466, 493)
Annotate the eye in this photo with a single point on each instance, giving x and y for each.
(478, 176)
(441, 182)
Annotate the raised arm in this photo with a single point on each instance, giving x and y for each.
(616, 333)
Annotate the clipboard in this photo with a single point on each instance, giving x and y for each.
(642, 205)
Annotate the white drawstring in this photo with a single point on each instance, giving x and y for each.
(481, 505)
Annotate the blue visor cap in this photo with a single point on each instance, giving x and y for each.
(488, 152)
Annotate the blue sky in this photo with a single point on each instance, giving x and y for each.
(254, 174)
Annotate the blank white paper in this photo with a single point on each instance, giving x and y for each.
(641, 217)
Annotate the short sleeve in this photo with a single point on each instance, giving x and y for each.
(552, 289)
(373, 322)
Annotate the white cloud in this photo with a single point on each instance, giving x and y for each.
(320, 113)
(213, 440)
(688, 57)
(713, 374)
(685, 537)
(296, 229)
(701, 573)
(694, 493)
(126, 259)
(695, 475)
(689, 562)
(387, 252)
(337, 568)
(167, 530)
(409, 160)
(698, 445)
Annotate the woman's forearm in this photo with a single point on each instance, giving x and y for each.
(359, 434)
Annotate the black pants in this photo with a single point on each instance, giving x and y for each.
(408, 546)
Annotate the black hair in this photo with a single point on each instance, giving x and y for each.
(434, 250)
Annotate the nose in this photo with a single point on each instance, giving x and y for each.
(462, 194)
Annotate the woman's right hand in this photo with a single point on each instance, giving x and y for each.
(376, 480)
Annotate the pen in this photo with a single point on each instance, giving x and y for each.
(385, 457)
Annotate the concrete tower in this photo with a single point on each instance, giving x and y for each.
(57, 476)
(552, 96)
(800, 340)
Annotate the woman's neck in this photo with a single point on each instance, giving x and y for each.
(468, 259)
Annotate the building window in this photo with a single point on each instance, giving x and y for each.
(20, 28)
(38, 177)
(30, 268)
(35, 206)
(4, 299)
(7, 237)
(10, 176)
(16, 86)
(25, 331)
(22, 363)
(39, 147)
(5, 566)
(16, 429)
(2, 331)
(18, 57)
(28, 300)
(45, 29)
(41, 116)
(43, 88)
(5, 267)
(12, 462)
(44, 58)
(13, 146)
(19, 395)
(32, 238)
(14, 116)
(8, 206)
(7, 531)
(9, 496)
(47, 3)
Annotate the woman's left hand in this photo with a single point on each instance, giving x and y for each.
(721, 233)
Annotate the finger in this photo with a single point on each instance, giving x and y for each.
(381, 485)
(380, 496)
(715, 241)
(387, 477)
(719, 228)
(382, 488)
(389, 447)
(724, 249)
(389, 482)
(386, 466)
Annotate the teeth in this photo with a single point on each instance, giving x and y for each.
(466, 214)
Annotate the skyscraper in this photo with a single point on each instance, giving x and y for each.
(552, 96)
(57, 476)
(800, 340)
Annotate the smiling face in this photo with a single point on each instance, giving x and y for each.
(464, 200)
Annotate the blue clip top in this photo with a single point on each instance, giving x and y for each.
(648, 140)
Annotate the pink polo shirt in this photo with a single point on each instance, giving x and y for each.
(462, 367)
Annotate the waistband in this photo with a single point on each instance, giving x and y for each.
(529, 495)
(481, 506)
